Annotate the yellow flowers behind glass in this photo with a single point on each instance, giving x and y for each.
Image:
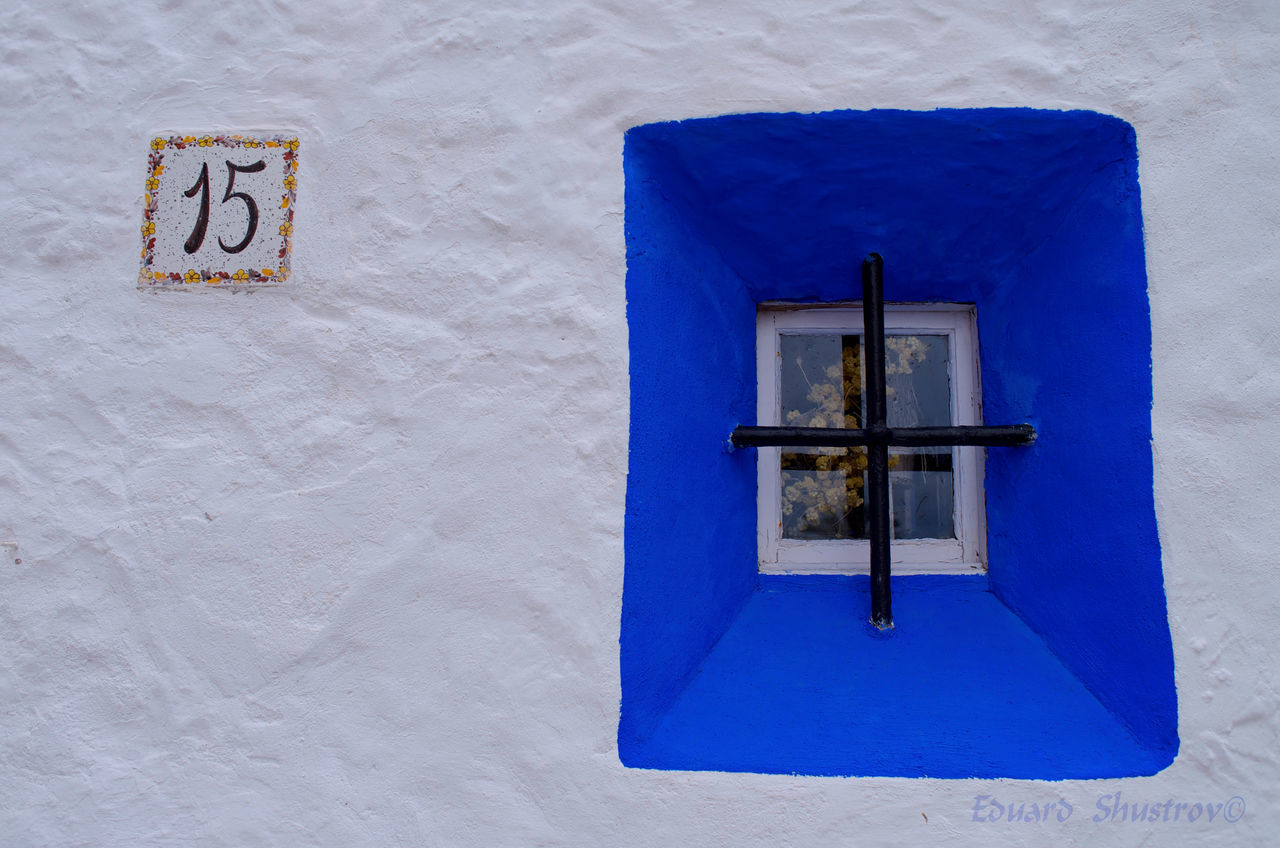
(810, 499)
(832, 488)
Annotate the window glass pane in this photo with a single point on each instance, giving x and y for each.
(921, 482)
(919, 381)
(921, 488)
(821, 385)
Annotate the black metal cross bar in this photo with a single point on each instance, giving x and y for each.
(914, 437)
(878, 436)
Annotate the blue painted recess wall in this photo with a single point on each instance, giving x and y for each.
(1034, 216)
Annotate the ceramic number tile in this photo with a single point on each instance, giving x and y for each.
(218, 210)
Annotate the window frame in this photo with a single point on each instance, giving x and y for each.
(963, 555)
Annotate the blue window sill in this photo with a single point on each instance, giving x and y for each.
(802, 683)
(1058, 663)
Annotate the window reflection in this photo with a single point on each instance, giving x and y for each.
(821, 385)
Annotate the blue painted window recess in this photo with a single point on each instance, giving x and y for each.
(1031, 638)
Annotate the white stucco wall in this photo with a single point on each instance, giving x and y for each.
(340, 563)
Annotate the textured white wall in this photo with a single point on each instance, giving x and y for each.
(340, 563)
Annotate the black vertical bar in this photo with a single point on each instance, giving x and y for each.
(877, 491)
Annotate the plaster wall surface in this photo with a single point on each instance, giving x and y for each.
(340, 562)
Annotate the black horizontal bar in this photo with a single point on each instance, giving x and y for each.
(835, 437)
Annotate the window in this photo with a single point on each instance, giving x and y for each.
(810, 500)
(1051, 662)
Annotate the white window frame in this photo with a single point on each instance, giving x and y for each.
(963, 555)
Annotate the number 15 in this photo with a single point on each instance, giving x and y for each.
(202, 222)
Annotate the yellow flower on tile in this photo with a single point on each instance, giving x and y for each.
(189, 139)
(268, 272)
(282, 275)
(240, 276)
(192, 276)
(273, 144)
(292, 144)
(158, 143)
(157, 170)
(205, 141)
(158, 275)
(149, 228)
(286, 229)
(290, 182)
(249, 142)
(152, 184)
